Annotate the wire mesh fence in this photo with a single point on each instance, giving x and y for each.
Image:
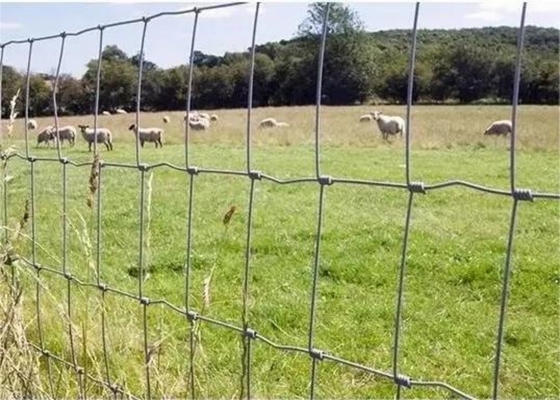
(249, 333)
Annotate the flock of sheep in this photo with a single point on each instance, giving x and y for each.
(388, 125)
(392, 125)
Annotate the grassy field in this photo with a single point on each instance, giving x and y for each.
(456, 254)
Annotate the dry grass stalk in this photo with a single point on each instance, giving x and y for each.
(19, 364)
(13, 114)
(93, 181)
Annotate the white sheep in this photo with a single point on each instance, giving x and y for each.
(66, 133)
(282, 124)
(166, 119)
(103, 136)
(268, 123)
(152, 135)
(213, 117)
(199, 124)
(366, 118)
(106, 113)
(388, 125)
(204, 115)
(120, 111)
(32, 124)
(46, 135)
(502, 127)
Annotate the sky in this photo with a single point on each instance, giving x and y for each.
(168, 38)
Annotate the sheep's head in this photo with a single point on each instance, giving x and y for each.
(131, 127)
(376, 114)
(83, 127)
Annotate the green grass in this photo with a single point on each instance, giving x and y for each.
(455, 260)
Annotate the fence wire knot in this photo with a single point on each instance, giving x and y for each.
(64, 160)
(255, 175)
(250, 333)
(317, 354)
(325, 180)
(523, 194)
(103, 287)
(68, 276)
(403, 380)
(145, 301)
(192, 170)
(80, 370)
(32, 159)
(37, 267)
(46, 353)
(143, 167)
(192, 316)
(417, 187)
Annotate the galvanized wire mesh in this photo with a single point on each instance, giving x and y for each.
(248, 332)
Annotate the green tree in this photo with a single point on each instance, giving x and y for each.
(348, 66)
(341, 20)
(11, 82)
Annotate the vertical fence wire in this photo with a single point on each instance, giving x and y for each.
(4, 164)
(251, 82)
(143, 301)
(319, 91)
(1, 83)
(32, 160)
(503, 302)
(315, 281)
(189, 88)
(515, 99)
(246, 357)
(511, 234)
(54, 94)
(191, 175)
(97, 81)
(27, 79)
(412, 61)
(400, 292)
(188, 283)
(246, 338)
(136, 129)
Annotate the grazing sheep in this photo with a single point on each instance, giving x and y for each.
(66, 133)
(46, 135)
(204, 115)
(502, 127)
(106, 113)
(152, 135)
(388, 125)
(366, 118)
(213, 117)
(32, 124)
(103, 136)
(120, 111)
(166, 119)
(268, 123)
(282, 124)
(199, 124)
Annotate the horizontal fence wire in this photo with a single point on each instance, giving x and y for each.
(248, 333)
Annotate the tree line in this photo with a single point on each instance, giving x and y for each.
(462, 66)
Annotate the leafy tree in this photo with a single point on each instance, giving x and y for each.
(341, 20)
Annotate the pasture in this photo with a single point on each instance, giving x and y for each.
(455, 259)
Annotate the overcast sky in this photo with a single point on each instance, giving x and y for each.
(227, 29)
